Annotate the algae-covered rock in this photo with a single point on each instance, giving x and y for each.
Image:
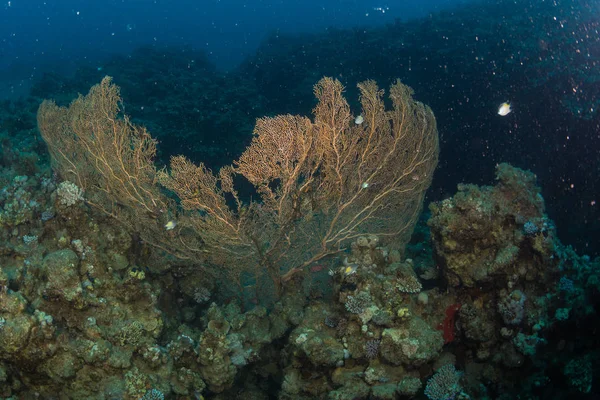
(14, 334)
(481, 234)
(353, 389)
(60, 268)
(62, 366)
(409, 386)
(384, 392)
(12, 303)
(118, 261)
(256, 328)
(185, 381)
(320, 348)
(477, 323)
(413, 344)
(213, 353)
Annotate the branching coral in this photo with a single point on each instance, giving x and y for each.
(322, 183)
(444, 384)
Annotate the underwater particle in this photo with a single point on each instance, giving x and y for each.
(170, 225)
(381, 9)
(444, 384)
(359, 119)
(372, 348)
(153, 394)
(504, 109)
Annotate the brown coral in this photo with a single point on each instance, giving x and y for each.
(322, 183)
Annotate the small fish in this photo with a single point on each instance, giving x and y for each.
(504, 109)
(359, 120)
(364, 185)
(350, 269)
(170, 225)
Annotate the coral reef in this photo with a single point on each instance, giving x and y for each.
(485, 302)
(87, 312)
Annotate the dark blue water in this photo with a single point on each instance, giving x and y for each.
(38, 35)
